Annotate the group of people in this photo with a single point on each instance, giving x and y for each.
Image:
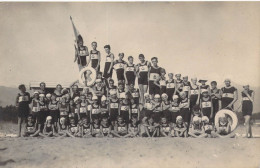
(172, 107)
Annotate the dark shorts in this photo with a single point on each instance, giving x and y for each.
(157, 116)
(174, 116)
(125, 115)
(185, 113)
(143, 81)
(42, 117)
(113, 115)
(167, 114)
(23, 112)
(247, 108)
(206, 113)
(163, 90)
(169, 93)
(153, 89)
(55, 114)
(131, 80)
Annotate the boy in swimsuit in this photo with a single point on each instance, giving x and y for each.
(23, 100)
(207, 126)
(85, 128)
(96, 128)
(106, 127)
(31, 127)
(73, 129)
(166, 107)
(63, 127)
(48, 129)
(120, 129)
(174, 109)
(133, 127)
(197, 130)
(151, 129)
(223, 127)
(165, 128)
(180, 128)
(170, 86)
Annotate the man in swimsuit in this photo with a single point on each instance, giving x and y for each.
(154, 75)
(81, 54)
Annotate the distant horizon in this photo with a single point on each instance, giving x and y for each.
(212, 40)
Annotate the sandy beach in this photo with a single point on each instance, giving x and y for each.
(123, 153)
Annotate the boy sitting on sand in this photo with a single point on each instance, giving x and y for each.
(105, 127)
(223, 127)
(48, 129)
(120, 129)
(62, 127)
(31, 127)
(133, 127)
(180, 128)
(85, 128)
(96, 128)
(197, 130)
(73, 130)
(151, 129)
(165, 127)
(207, 126)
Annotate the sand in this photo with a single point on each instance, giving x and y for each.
(138, 152)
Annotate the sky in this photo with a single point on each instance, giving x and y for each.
(212, 40)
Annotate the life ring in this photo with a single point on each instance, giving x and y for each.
(229, 113)
(91, 75)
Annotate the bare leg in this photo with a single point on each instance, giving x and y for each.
(20, 121)
(116, 134)
(248, 126)
(141, 90)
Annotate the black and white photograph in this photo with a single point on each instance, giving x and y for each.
(128, 84)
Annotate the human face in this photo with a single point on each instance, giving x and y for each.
(185, 79)
(175, 100)
(163, 73)
(53, 97)
(48, 121)
(105, 120)
(203, 82)
(156, 99)
(72, 121)
(194, 81)
(120, 120)
(164, 98)
(75, 88)
(154, 62)
(205, 94)
(85, 121)
(99, 76)
(41, 98)
(121, 56)
(94, 46)
(131, 60)
(113, 96)
(170, 75)
(111, 83)
(134, 120)
(96, 121)
(42, 86)
(23, 89)
(58, 87)
(71, 102)
(63, 100)
(178, 76)
(107, 50)
(30, 119)
(80, 43)
(150, 120)
(213, 85)
(246, 87)
(120, 87)
(227, 83)
(141, 59)
(163, 120)
(183, 95)
(36, 96)
(180, 121)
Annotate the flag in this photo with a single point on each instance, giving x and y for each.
(76, 32)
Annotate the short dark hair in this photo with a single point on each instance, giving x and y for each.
(107, 46)
(163, 70)
(141, 55)
(213, 82)
(130, 57)
(58, 85)
(21, 86)
(154, 58)
(94, 42)
(43, 83)
(111, 80)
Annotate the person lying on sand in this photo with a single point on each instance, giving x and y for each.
(120, 129)
(165, 127)
(197, 131)
(223, 127)
(133, 127)
(31, 127)
(48, 129)
(180, 128)
(106, 127)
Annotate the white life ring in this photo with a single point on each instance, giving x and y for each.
(229, 113)
(92, 76)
